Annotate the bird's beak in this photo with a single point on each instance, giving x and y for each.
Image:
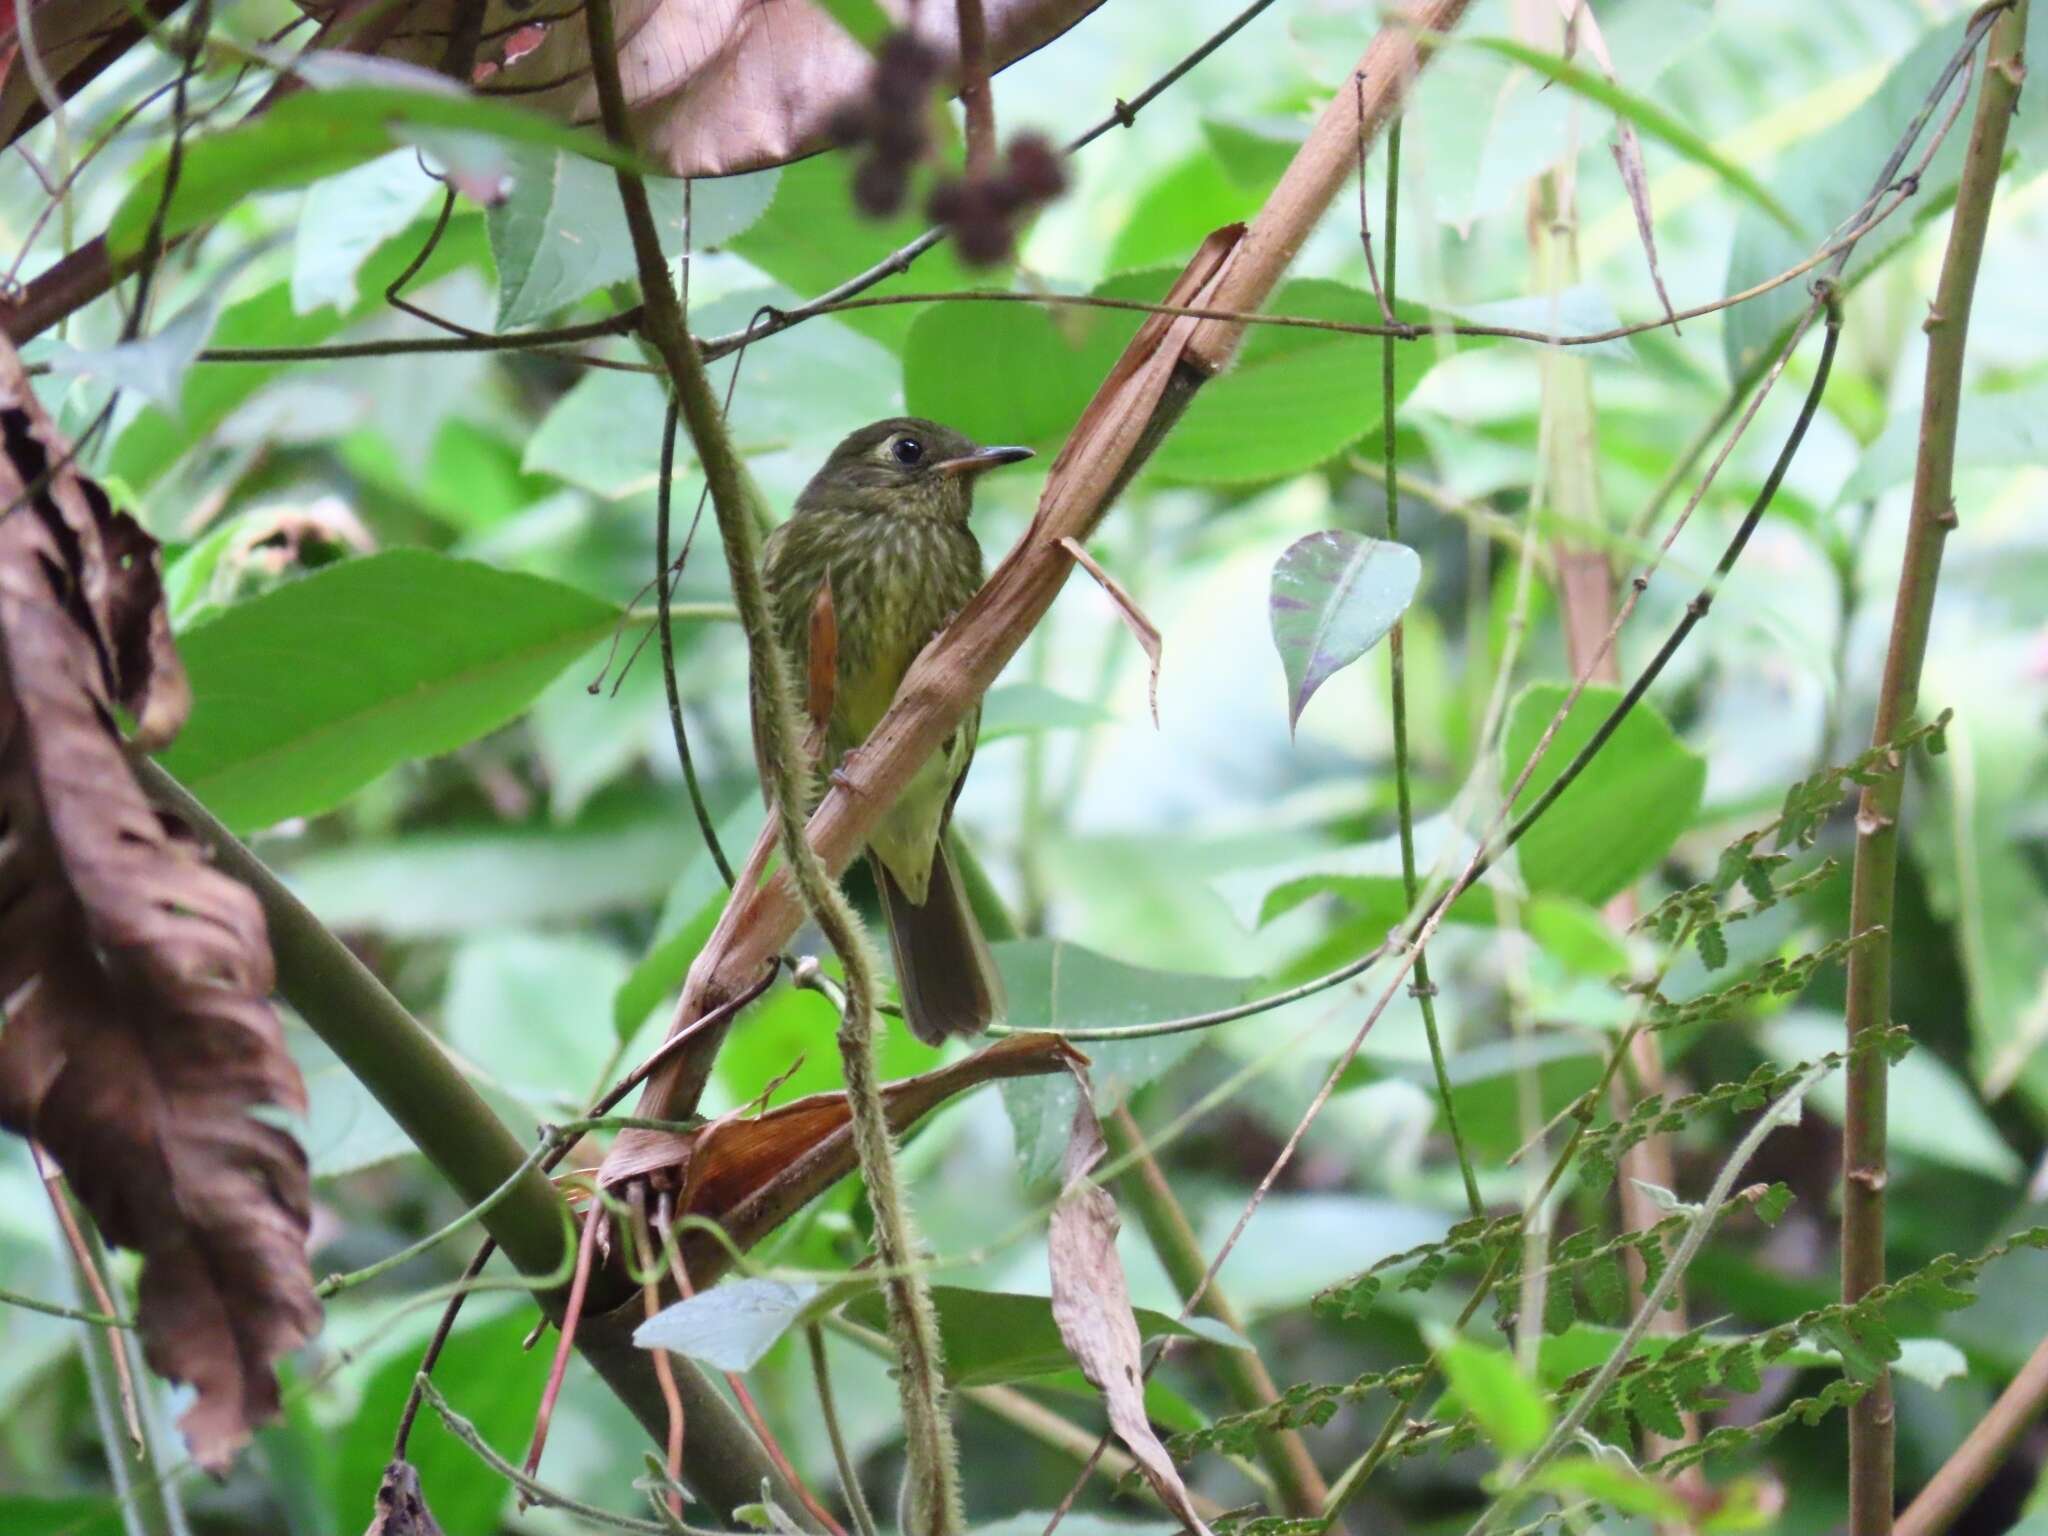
(982, 460)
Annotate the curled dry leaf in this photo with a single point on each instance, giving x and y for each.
(74, 40)
(1091, 1305)
(138, 1032)
(1581, 24)
(401, 1506)
(750, 1173)
(715, 86)
(1134, 617)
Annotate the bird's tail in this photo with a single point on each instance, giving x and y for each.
(943, 966)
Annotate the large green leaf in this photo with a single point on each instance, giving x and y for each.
(1175, 213)
(995, 1336)
(305, 694)
(28, 1515)
(1824, 180)
(560, 233)
(346, 218)
(532, 1011)
(2003, 430)
(1295, 397)
(1055, 985)
(318, 133)
(1621, 815)
(474, 878)
(157, 439)
(488, 1379)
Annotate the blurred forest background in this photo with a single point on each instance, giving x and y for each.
(412, 594)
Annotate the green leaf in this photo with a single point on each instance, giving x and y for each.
(1619, 1487)
(1930, 1112)
(1364, 876)
(732, 1325)
(1825, 179)
(305, 694)
(473, 879)
(2003, 430)
(346, 219)
(27, 1515)
(992, 1337)
(533, 1012)
(488, 1379)
(156, 439)
(1056, 985)
(1487, 1383)
(863, 20)
(1296, 397)
(1026, 709)
(694, 901)
(560, 234)
(1010, 373)
(318, 133)
(1335, 594)
(811, 238)
(1175, 214)
(1576, 936)
(1621, 816)
(1651, 120)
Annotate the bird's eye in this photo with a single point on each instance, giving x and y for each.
(906, 450)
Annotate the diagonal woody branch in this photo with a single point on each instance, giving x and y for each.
(1144, 395)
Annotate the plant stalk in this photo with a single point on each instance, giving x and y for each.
(1874, 882)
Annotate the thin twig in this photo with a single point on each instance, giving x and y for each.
(1949, 1492)
(1423, 990)
(849, 1475)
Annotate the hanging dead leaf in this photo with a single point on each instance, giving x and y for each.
(1091, 1306)
(1580, 24)
(1134, 617)
(401, 1506)
(74, 40)
(751, 1173)
(823, 680)
(139, 1034)
(715, 86)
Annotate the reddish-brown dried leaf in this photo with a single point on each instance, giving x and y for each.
(75, 39)
(136, 977)
(1091, 1306)
(750, 1173)
(715, 86)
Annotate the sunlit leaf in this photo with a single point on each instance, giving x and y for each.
(1486, 1383)
(1621, 815)
(307, 693)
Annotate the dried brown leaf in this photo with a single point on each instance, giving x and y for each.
(750, 1173)
(1091, 1305)
(75, 40)
(139, 1034)
(401, 1506)
(716, 86)
(1580, 24)
(823, 679)
(1134, 617)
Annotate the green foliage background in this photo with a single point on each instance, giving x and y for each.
(444, 745)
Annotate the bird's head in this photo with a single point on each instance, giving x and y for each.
(905, 465)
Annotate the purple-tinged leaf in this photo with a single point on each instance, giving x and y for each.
(1335, 596)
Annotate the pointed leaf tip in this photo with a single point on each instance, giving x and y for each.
(1335, 595)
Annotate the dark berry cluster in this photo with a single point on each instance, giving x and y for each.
(892, 123)
(982, 213)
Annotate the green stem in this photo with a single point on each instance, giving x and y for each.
(1873, 884)
(1421, 989)
(1145, 1190)
(407, 1072)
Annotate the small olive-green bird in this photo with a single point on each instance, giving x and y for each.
(885, 521)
